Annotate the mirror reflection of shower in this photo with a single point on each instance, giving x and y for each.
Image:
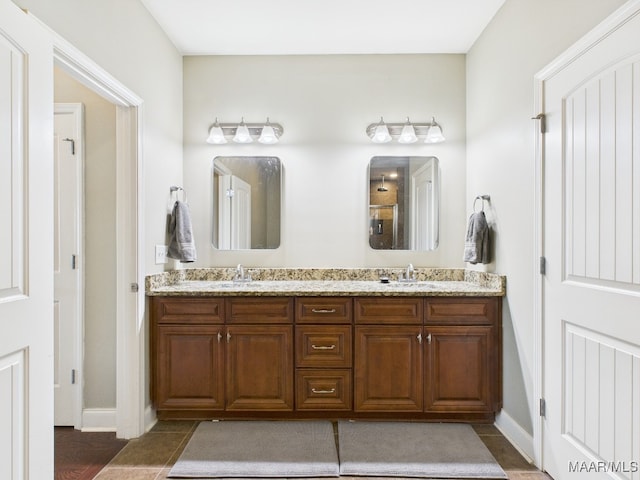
(382, 188)
(403, 203)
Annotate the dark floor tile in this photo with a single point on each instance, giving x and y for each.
(506, 454)
(81, 455)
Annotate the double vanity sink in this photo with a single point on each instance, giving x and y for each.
(326, 343)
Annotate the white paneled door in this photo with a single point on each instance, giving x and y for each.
(68, 261)
(591, 240)
(26, 239)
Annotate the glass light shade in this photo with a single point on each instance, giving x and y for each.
(381, 133)
(408, 134)
(434, 135)
(268, 135)
(242, 134)
(216, 135)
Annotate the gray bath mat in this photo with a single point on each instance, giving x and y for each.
(402, 449)
(255, 449)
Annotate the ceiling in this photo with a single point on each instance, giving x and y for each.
(305, 27)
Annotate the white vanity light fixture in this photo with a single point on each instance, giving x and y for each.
(407, 132)
(266, 133)
(380, 133)
(242, 133)
(434, 134)
(216, 135)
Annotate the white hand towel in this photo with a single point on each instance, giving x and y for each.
(181, 244)
(476, 245)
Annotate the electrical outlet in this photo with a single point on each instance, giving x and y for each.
(161, 254)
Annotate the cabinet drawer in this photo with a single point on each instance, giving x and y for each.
(188, 310)
(461, 311)
(323, 390)
(400, 310)
(321, 346)
(269, 310)
(324, 310)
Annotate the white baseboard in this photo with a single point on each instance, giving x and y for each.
(99, 420)
(150, 418)
(518, 436)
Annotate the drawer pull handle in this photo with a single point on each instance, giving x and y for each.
(323, 347)
(323, 310)
(325, 392)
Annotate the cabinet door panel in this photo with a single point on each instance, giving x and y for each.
(189, 310)
(462, 311)
(259, 367)
(190, 370)
(265, 310)
(398, 310)
(459, 369)
(388, 368)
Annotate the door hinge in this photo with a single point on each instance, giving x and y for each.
(134, 287)
(73, 376)
(73, 144)
(74, 262)
(543, 266)
(543, 122)
(543, 407)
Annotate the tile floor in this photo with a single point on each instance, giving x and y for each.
(151, 456)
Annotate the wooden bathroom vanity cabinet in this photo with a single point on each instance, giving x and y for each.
(387, 357)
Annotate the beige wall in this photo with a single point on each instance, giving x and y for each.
(325, 104)
(522, 38)
(99, 240)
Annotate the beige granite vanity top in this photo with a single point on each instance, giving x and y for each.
(325, 282)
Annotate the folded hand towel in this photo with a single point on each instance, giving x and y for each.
(476, 246)
(181, 244)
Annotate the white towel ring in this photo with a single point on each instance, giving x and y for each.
(483, 198)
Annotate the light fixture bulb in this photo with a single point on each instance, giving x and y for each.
(216, 135)
(268, 134)
(381, 133)
(434, 134)
(242, 134)
(408, 134)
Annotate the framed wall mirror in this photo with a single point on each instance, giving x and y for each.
(404, 203)
(246, 203)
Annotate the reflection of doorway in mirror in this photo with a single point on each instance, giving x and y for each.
(423, 208)
(234, 213)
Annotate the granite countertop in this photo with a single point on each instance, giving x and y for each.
(325, 282)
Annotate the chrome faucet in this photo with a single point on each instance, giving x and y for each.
(240, 276)
(409, 275)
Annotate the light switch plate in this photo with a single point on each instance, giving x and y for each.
(161, 254)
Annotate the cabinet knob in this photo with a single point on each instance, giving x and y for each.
(219, 337)
(429, 339)
(419, 337)
(228, 337)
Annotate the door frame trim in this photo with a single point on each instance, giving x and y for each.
(130, 310)
(614, 21)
